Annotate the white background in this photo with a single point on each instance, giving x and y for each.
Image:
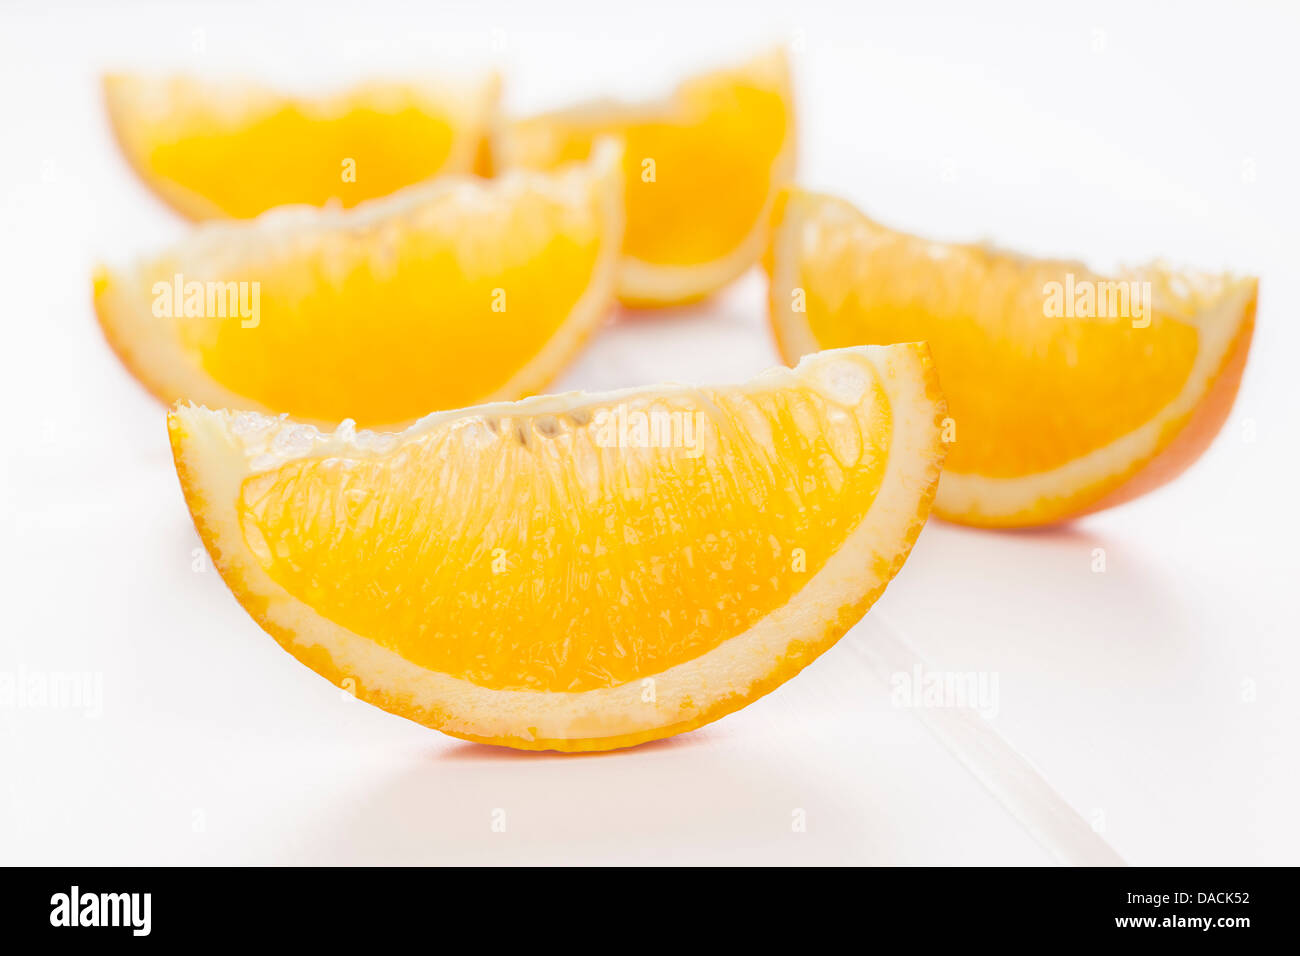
(1157, 697)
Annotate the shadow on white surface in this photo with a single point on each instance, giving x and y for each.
(661, 803)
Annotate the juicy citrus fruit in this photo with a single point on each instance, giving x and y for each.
(576, 572)
(1068, 393)
(225, 149)
(444, 294)
(701, 171)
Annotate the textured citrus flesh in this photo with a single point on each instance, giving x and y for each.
(436, 298)
(381, 342)
(557, 552)
(1030, 389)
(1029, 394)
(700, 170)
(486, 569)
(236, 151)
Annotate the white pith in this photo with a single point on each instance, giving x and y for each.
(220, 449)
(153, 346)
(1217, 317)
(136, 101)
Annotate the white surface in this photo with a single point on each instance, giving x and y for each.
(1157, 697)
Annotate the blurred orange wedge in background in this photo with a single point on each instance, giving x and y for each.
(447, 293)
(234, 150)
(576, 572)
(1069, 391)
(701, 170)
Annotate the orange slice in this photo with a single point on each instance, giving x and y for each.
(229, 149)
(701, 171)
(1069, 391)
(576, 572)
(445, 294)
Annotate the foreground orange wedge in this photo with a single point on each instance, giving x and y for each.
(445, 294)
(576, 572)
(1070, 392)
(223, 149)
(701, 171)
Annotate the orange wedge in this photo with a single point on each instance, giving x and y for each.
(234, 150)
(576, 572)
(1069, 391)
(445, 294)
(701, 171)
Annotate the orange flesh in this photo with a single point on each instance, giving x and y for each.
(388, 331)
(441, 549)
(712, 156)
(1026, 392)
(291, 157)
